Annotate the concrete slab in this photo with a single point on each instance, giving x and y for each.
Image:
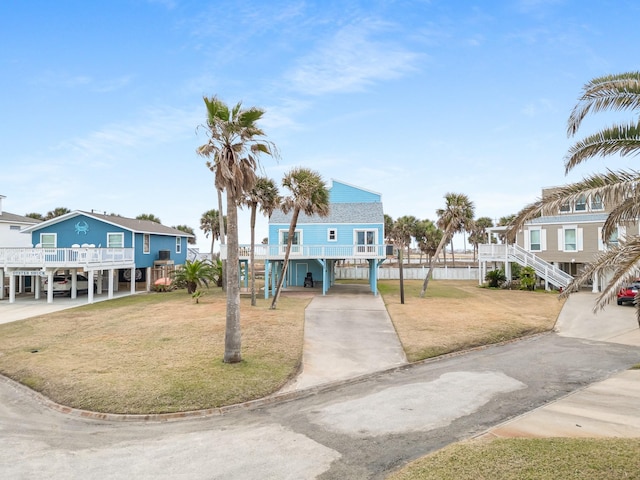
(348, 333)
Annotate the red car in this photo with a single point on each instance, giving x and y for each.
(628, 293)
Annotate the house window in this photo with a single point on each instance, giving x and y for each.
(332, 235)
(596, 203)
(613, 239)
(570, 239)
(365, 241)
(535, 243)
(48, 240)
(115, 240)
(178, 244)
(14, 227)
(296, 244)
(581, 204)
(565, 207)
(146, 243)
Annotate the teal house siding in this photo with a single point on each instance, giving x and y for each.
(80, 230)
(352, 210)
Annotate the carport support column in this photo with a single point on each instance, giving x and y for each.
(133, 280)
(1, 283)
(50, 286)
(267, 266)
(110, 285)
(90, 287)
(12, 287)
(595, 287)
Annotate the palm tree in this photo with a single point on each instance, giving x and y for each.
(428, 236)
(194, 274)
(266, 195)
(619, 189)
(35, 216)
(148, 216)
(310, 195)
(458, 212)
(234, 144)
(478, 234)
(56, 212)
(189, 230)
(210, 225)
(403, 230)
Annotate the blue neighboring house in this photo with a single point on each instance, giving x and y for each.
(353, 231)
(94, 243)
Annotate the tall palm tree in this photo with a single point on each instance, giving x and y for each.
(235, 142)
(265, 195)
(404, 229)
(310, 195)
(458, 212)
(620, 190)
(210, 225)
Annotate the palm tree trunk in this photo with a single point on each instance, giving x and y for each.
(252, 254)
(443, 241)
(223, 240)
(232, 337)
(292, 230)
(453, 258)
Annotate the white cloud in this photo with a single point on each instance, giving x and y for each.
(350, 61)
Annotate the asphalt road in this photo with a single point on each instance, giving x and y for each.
(360, 430)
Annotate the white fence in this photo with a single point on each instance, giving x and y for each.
(439, 273)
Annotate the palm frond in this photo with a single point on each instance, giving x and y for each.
(611, 92)
(618, 139)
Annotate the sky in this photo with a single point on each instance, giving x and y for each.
(101, 103)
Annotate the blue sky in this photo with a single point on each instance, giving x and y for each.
(101, 101)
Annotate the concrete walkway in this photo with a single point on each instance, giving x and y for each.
(606, 409)
(347, 333)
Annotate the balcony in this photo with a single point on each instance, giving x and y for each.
(336, 252)
(74, 257)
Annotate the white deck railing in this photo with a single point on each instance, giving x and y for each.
(64, 257)
(515, 253)
(277, 252)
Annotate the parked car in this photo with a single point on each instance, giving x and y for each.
(62, 284)
(628, 293)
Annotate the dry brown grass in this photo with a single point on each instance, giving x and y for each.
(163, 352)
(154, 353)
(456, 315)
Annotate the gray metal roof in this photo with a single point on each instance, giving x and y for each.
(133, 224)
(13, 218)
(370, 212)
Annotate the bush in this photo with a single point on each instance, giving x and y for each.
(495, 278)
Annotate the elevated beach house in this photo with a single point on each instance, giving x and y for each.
(353, 232)
(108, 249)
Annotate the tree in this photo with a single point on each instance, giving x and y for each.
(57, 212)
(509, 236)
(456, 214)
(428, 236)
(194, 274)
(479, 233)
(620, 190)
(210, 225)
(310, 195)
(266, 195)
(35, 216)
(148, 216)
(189, 230)
(234, 145)
(402, 231)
